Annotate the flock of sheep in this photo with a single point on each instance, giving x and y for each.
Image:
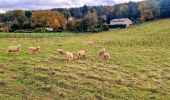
(81, 54)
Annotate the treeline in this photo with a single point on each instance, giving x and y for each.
(86, 18)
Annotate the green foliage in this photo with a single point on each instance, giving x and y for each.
(26, 25)
(15, 27)
(28, 14)
(146, 11)
(164, 8)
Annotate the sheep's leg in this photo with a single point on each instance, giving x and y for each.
(17, 52)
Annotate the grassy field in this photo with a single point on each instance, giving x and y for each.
(33, 35)
(139, 67)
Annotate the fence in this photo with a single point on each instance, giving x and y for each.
(34, 35)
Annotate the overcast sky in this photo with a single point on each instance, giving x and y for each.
(48, 4)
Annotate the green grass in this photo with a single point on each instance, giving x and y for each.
(34, 35)
(139, 67)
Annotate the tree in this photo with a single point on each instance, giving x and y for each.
(84, 10)
(88, 22)
(28, 15)
(164, 8)
(55, 23)
(146, 11)
(42, 19)
(17, 16)
(76, 13)
(92, 17)
(154, 6)
(133, 11)
(15, 27)
(124, 11)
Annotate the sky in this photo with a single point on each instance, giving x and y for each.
(48, 4)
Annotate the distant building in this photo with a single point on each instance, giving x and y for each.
(122, 21)
(49, 29)
(70, 19)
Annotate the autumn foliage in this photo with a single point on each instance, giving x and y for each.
(48, 19)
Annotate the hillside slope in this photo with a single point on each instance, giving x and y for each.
(139, 67)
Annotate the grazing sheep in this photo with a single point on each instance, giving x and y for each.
(14, 48)
(47, 87)
(60, 51)
(34, 49)
(69, 56)
(101, 51)
(106, 55)
(91, 43)
(82, 54)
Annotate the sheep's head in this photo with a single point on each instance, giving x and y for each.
(38, 47)
(104, 49)
(19, 46)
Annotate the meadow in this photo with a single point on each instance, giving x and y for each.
(139, 68)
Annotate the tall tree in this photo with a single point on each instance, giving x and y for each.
(154, 6)
(17, 16)
(146, 11)
(84, 10)
(124, 11)
(42, 19)
(28, 15)
(133, 11)
(164, 8)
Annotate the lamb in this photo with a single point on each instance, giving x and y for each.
(69, 56)
(106, 55)
(101, 51)
(60, 51)
(14, 48)
(34, 49)
(82, 54)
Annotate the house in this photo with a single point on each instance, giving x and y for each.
(49, 29)
(122, 21)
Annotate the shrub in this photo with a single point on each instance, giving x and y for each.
(26, 25)
(14, 27)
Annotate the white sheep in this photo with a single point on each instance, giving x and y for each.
(101, 51)
(14, 48)
(34, 49)
(106, 55)
(60, 51)
(69, 56)
(82, 54)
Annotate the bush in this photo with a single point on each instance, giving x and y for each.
(105, 28)
(14, 27)
(26, 25)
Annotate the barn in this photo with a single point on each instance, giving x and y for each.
(122, 21)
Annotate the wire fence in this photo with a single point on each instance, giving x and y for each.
(34, 35)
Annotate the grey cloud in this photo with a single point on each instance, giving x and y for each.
(48, 4)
